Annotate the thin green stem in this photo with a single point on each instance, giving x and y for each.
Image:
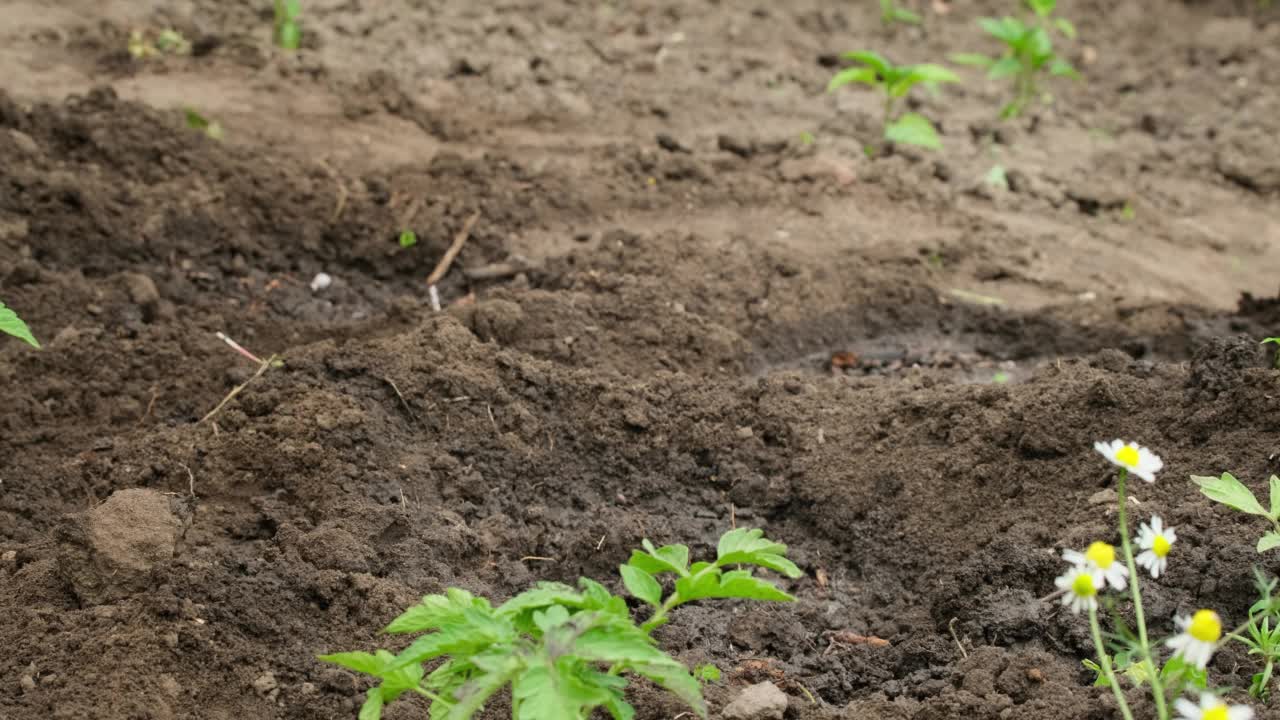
(1157, 688)
(1104, 660)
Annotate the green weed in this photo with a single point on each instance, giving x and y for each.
(564, 651)
(891, 12)
(11, 324)
(1028, 55)
(894, 82)
(288, 28)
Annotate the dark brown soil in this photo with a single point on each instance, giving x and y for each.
(660, 367)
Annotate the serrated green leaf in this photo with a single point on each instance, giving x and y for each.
(472, 696)
(474, 632)
(641, 584)
(1062, 68)
(364, 662)
(1043, 8)
(1269, 541)
(1004, 67)
(543, 694)
(874, 60)
(707, 673)
(913, 129)
(742, 584)
(399, 681)
(678, 681)
(436, 611)
(544, 594)
(972, 59)
(932, 73)
(372, 707)
(1008, 30)
(551, 618)
(1230, 492)
(852, 75)
(1065, 27)
(11, 324)
(655, 561)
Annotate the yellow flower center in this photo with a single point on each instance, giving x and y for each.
(1217, 712)
(1082, 586)
(1128, 455)
(1101, 554)
(1205, 626)
(1160, 546)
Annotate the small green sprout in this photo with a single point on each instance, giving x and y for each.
(997, 177)
(11, 324)
(288, 31)
(197, 121)
(807, 138)
(895, 81)
(1229, 491)
(167, 41)
(1028, 54)
(408, 238)
(707, 673)
(564, 651)
(1261, 634)
(1274, 341)
(891, 13)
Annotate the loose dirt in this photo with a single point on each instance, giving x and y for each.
(674, 314)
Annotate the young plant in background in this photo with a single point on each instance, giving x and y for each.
(197, 121)
(891, 12)
(1231, 492)
(1274, 341)
(408, 238)
(11, 324)
(894, 82)
(288, 28)
(1261, 634)
(563, 651)
(1028, 55)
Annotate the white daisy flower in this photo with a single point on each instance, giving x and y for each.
(1138, 460)
(1080, 588)
(1102, 557)
(1156, 541)
(1199, 637)
(1211, 708)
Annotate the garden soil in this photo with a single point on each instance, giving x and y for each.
(689, 301)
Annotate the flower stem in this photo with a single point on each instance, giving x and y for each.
(1157, 688)
(1104, 660)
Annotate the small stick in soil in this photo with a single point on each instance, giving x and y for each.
(952, 627)
(529, 558)
(449, 256)
(263, 366)
(492, 420)
(191, 480)
(342, 192)
(404, 402)
(155, 392)
(601, 543)
(238, 347)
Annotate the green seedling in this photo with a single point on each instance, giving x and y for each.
(167, 41)
(11, 324)
(1261, 634)
(408, 238)
(891, 13)
(997, 177)
(288, 30)
(895, 82)
(197, 121)
(807, 138)
(1028, 54)
(707, 673)
(1231, 492)
(564, 651)
(1274, 341)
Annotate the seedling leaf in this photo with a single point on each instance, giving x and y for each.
(408, 238)
(852, 75)
(372, 707)
(1230, 492)
(1269, 541)
(11, 324)
(875, 60)
(1065, 27)
(364, 662)
(913, 129)
(641, 584)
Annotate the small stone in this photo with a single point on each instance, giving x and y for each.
(24, 142)
(142, 289)
(670, 144)
(1106, 496)
(762, 701)
(321, 281)
(265, 683)
(27, 682)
